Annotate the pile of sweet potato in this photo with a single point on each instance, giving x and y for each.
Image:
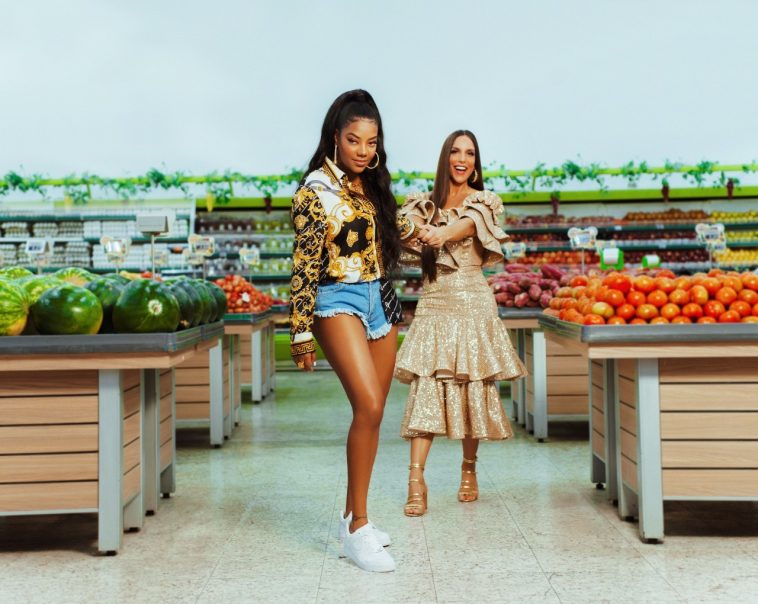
(523, 286)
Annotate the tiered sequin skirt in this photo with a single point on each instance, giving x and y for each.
(455, 352)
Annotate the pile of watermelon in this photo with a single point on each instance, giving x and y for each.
(75, 301)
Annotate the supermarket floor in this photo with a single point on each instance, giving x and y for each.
(256, 520)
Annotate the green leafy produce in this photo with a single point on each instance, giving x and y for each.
(67, 309)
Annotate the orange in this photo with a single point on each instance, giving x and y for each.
(657, 298)
(706, 320)
(679, 296)
(659, 321)
(670, 311)
(743, 308)
(636, 298)
(692, 310)
(726, 295)
(729, 316)
(644, 284)
(683, 319)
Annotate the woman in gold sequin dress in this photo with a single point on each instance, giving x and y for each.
(457, 348)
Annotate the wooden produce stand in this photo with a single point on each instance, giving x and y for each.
(203, 386)
(86, 425)
(258, 356)
(556, 387)
(674, 413)
(519, 321)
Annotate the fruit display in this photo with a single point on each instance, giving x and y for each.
(742, 236)
(741, 258)
(668, 256)
(658, 298)
(556, 220)
(14, 308)
(67, 309)
(521, 286)
(561, 257)
(242, 296)
(672, 215)
(735, 217)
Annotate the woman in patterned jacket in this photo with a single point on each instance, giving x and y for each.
(347, 241)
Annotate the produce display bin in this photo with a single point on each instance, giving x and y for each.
(203, 389)
(86, 425)
(257, 352)
(556, 387)
(518, 322)
(674, 413)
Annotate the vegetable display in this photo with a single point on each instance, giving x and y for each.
(522, 287)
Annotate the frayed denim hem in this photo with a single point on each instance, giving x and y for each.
(379, 333)
(328, 314)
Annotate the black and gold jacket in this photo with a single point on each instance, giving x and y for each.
(335, 241)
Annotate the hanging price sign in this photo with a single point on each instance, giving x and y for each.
(250, 256)
(116, 249)
(199, 244)
(709, 232)
(193, 258)
(160, 259)
(582, 239)
(515, 249)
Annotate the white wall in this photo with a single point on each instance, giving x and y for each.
(115, 87)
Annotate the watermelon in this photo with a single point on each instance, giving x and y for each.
(186, 307)
(205, 291)
(117, 278)
(108, 292)
(75, 275)
(220, 297)
(194, 299)
(67, 309)
(14, 308)
(205, 300)
(15, 272)
(146, 306)
(37, 284)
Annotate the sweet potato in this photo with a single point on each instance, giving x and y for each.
(521, 300)
(535, 291)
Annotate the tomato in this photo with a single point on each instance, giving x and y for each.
(726, 295)
(619, 282)
(698, 294)
(621, 321)
(706, 320)
(636, 298)
(683, 283)
(713, 308)
(748, 295)
(729, 316)
(679, 296)
(625, 311)
(751, 282)
(665, 273)
(659, 321)
(579, 291)
(664, 284)
(564, 292)
(657, 298)
(712, 285)
(593, 320)
(733, 282)
(749, 319)
(755, 310)
(692, 310)
(637, 321)
(681, 319)
(647, 311)
(670, 311)
(555, 303)
(603, 309)
(578, 280)
(743, 308)
(614, 297)
(644, 284)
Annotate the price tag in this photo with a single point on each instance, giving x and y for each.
(651, 261)
(193, 258)
(582, 239)
(116, 249)
(38, 247)
(161, 258)
(515, 249)
(250, 256)
(709, 232)
(204, 245)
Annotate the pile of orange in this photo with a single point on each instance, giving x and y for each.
(620, 298)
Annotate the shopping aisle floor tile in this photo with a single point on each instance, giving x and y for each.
(256, 521)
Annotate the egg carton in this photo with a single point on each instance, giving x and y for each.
(15, 229)
(92, 229)
(71, 229)
(45, 229)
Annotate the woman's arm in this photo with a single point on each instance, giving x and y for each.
(439, 236)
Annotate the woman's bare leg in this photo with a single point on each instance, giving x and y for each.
(343, 340)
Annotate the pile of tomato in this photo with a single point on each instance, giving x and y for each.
(242, 296)
(662, 297)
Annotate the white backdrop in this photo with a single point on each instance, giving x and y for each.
(115, 87)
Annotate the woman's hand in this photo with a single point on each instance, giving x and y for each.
(433, 236)
(306, 361)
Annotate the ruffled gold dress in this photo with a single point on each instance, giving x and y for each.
(457, 349)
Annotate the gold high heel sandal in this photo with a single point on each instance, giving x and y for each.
(416, 504)
(466, 492)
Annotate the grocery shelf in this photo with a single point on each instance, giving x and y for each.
(247, 234)
(66, 217)
(657, 226)
(235, 255)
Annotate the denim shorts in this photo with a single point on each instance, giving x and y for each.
(362, 300)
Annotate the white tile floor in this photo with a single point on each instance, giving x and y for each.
(255, 522)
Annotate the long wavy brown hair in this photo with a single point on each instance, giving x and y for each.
(441, 190)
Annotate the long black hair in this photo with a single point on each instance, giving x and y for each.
(441, 190)
(377, 183)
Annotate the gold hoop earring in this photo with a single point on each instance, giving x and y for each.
(376, 165)
(476, 176)
(335, 154)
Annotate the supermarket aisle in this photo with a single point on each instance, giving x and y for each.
(255, 522)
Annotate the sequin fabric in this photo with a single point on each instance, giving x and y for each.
(457, 349)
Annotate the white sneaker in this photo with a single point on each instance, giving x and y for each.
(363, 548)
(382, 537)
